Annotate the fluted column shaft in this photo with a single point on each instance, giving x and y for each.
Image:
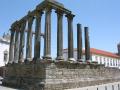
(29, 39)
(59, 35)
(16, 52)
(37, 35)
(11, 48)
(22, 42)
(79, 42)
(47, 38)
(87, 44)
(70, 37)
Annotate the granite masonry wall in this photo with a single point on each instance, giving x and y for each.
(58, 75)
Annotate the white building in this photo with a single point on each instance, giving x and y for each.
(4, 49)
(100, 56)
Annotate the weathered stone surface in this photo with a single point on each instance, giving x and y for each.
(16, 48)
(87, 45)
(47, 39)
(29, 38)
(58, 76)
(22, 42)
(79, 42)
(59, 35)
(70, 36)
(11, 49)
(37, 46)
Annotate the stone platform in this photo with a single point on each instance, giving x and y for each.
(47, 75)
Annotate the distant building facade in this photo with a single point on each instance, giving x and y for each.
(100, 56)
(4, 49)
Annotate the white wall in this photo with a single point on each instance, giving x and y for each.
(107, 61)
(3, 47)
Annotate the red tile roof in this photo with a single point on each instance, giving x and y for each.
(99, 52)
(104, 53)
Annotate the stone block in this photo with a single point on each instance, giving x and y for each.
(58, 76)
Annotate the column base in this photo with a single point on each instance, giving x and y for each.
(94, 62)
(16, 61)
(79, 60)
(47, 57)
(10, 62)
(28, 60)
(60, 58)
(21, 61)
(36, 60)
(88, 61)
(71, 59)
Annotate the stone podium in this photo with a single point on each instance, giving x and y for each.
(58, 75)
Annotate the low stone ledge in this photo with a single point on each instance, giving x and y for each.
(51, 75)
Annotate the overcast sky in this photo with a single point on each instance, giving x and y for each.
(101, 16)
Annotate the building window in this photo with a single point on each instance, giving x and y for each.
(96, 58)
(100, 60)
(5, 56)
(108, 62)
(111, 62)
(116, 63)
(104, 61)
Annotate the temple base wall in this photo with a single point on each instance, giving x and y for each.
(58, 75)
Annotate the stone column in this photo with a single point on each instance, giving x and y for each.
(37, 35)
(47, 38)
(11, 48)
(79, 43)
(70, 37)
(29, 39)
(16, 52)
(118, 46)
(59, 35)
(22, 42)
(87, 45)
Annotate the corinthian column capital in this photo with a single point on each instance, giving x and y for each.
(70, 16)
(38, 13)
(59, 12)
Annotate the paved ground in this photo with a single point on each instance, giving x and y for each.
(5, 88)
(109, 86)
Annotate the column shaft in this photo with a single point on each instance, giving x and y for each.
(37, 36)
(22, 42)
(79, 42)
(16, 52)
(47, 38)
(87, 44)
(11, 48)
(70, 37)
(59, 35)
(29, 39)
